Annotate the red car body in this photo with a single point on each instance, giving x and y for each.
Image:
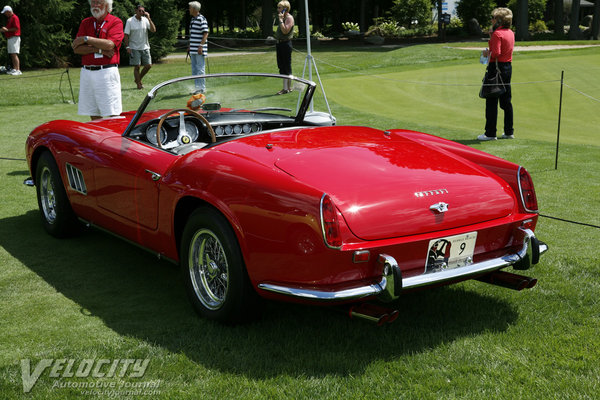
(322, 214)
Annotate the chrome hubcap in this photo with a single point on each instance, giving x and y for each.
(208, 269)
(47, 197)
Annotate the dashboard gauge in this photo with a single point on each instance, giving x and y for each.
(237, 129)
(246, 128)
(151, 134)
(192, 130)
(219, 131)
(255, 127)
(228, 129)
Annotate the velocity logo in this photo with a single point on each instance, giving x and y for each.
(69, 368)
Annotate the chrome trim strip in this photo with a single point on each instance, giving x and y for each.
(386, 288)
(313, 294)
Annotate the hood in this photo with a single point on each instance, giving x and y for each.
(384, 186)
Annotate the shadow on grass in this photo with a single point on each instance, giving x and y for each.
(138, 296)
(19, 173)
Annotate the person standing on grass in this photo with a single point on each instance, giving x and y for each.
(136, 42)
(284, 35)
(12, 32)
(198, 47)
(98, 42)
(501, 45)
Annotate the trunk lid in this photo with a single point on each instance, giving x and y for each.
(384, 186)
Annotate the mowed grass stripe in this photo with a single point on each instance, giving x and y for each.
(446, 96)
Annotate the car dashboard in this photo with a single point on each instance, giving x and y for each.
(226, 125)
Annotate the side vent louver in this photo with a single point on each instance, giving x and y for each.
(76, 181)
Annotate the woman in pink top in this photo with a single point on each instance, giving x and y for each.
(501, 45)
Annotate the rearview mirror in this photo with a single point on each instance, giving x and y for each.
(211, 106)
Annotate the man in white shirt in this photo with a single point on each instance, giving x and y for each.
(136, 42)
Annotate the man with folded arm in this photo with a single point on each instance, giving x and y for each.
(98, 42)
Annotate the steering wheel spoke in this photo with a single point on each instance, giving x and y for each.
(182, 130)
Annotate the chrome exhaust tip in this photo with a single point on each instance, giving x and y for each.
(374, 313)
(508, 280)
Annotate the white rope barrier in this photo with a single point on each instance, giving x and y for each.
(581, 93)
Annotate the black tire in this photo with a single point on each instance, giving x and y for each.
(58, 217)
(213, 269)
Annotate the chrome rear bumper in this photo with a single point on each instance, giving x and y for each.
(392, 282)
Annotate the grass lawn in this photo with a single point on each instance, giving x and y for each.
(95, 297)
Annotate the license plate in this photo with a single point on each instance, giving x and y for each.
(450, 252)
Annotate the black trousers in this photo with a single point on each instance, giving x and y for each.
(284, 57)
(491, 104)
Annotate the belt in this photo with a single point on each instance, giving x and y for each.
(283, 41)
(97, 67)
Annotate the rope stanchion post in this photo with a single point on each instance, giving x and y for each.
(70, 86)
(562, 79)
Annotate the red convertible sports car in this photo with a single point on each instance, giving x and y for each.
(256, 196)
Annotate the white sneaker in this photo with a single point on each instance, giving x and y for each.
(483, 138)
(505, 136)
(15, 72)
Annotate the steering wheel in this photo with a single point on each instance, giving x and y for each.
(213, 137)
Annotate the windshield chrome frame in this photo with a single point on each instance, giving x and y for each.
(303, 107)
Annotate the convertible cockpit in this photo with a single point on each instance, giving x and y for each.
(175, 118)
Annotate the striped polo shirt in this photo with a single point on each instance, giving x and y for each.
(198, 26)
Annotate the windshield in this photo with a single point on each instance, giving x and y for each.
(230, 93)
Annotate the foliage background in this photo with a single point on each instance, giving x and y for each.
(49, 26)
(407, 11)
(535, 12)
(478, 9)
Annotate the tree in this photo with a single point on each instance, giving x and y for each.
(478, 9)
(412, 12)
(45, 32)
(49, 26)
(521, 20)
(267, 22)
(574, 31)
(535, 9)
(559, 17)
(596, 21)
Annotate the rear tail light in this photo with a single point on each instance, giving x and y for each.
(527, 191)
(329, 223)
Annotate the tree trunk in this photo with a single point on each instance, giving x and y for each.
(522, 22)
(363, 17)
(244, 22)
(559, 17)
(267, 18)
(301, 19)
(596, 21)
(574, 32)
(441, 29)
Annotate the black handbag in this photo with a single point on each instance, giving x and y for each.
(492, 84)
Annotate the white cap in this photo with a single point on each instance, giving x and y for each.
(6, 8)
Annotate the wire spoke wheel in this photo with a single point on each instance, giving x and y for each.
(213, 270)
(47, 196)
(208, 269)
(58, 217)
